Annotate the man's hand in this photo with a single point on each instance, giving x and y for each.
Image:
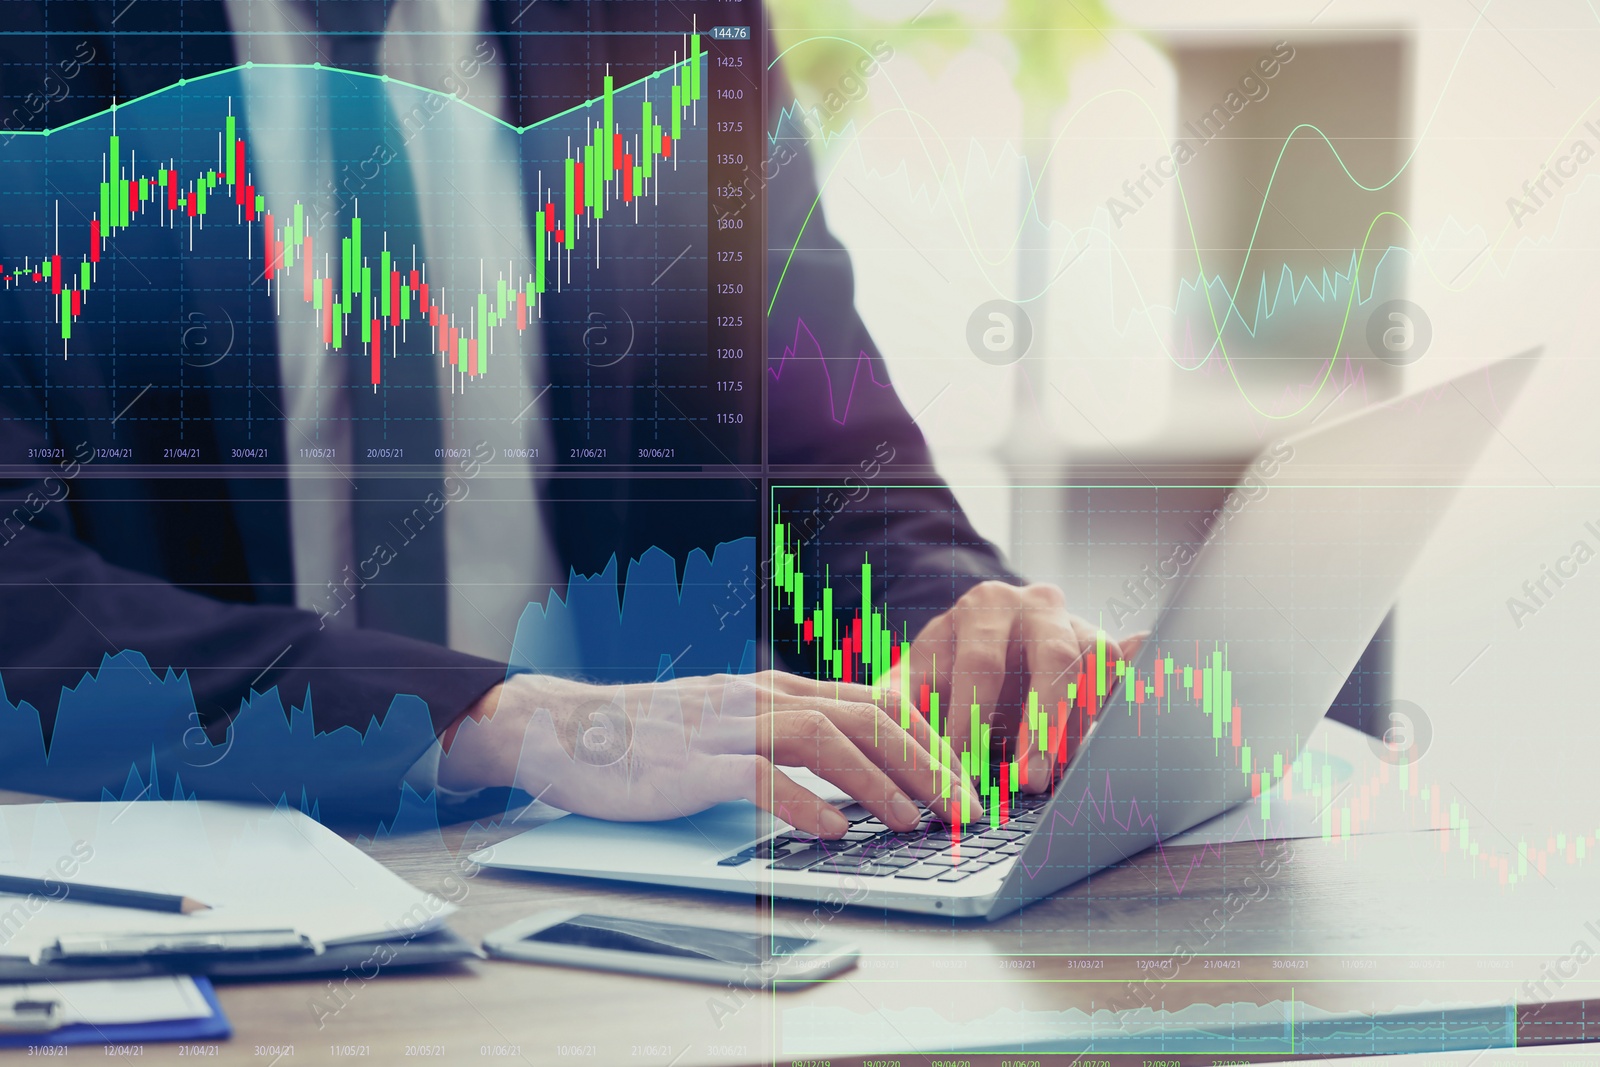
(998, 643)
(669, 749)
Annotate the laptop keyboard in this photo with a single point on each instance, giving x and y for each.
(928, 853)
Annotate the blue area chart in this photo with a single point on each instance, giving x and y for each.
(645, 625)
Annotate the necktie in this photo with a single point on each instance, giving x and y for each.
(398, 499)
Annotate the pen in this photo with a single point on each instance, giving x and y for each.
(100, 894)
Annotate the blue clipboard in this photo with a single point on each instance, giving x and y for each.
(210, 1027)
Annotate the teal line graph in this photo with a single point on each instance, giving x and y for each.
(383, 78)
(1219, 308)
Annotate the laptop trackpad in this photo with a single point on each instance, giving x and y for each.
(577, 844)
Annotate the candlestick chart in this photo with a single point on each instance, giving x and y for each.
(134, 233)
(840, 627)
(373, 290)
(863, 645)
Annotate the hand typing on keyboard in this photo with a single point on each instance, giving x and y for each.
(668, 749)
(995, 645)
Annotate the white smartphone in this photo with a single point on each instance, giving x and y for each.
(670, 950)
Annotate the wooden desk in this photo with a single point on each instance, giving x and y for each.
(1374, 923)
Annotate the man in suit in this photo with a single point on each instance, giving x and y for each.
(219, 575)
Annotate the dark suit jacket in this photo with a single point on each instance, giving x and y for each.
(197, 573)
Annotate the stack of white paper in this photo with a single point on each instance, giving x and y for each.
(259, 868)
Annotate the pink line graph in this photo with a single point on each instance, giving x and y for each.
(813, 351)
(1105, 812)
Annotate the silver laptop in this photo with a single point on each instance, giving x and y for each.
(1291, 588)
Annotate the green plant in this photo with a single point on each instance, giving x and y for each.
(823, 40)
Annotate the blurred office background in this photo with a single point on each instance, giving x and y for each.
(1027, 151)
